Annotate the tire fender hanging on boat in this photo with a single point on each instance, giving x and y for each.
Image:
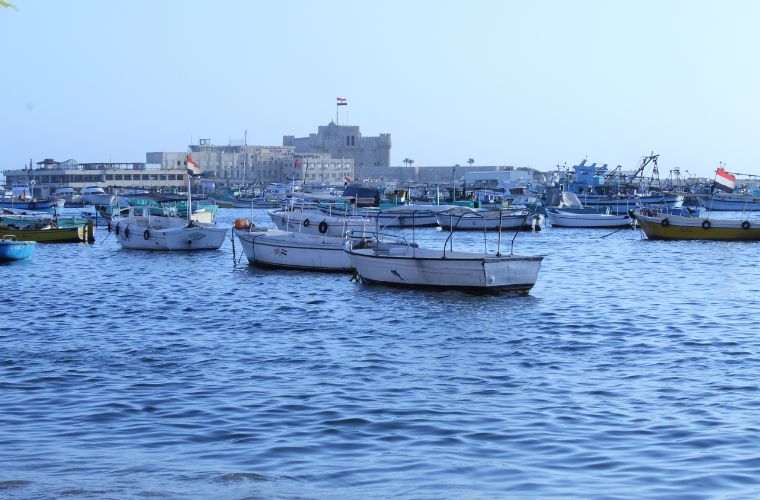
(746, 224)
(306, 223)
(706, 224)
(323, 227)
(665, 222)
(118, 229)
(146, 234)
(126, 232)
(108, 226)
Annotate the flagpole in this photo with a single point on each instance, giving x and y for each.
(712, 193)
(337, 108)
(189, 201)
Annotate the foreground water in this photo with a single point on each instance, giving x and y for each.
(631, 370)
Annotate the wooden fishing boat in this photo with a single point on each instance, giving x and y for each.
(53, 235)
(659, 226)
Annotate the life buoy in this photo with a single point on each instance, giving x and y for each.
(306, 223)
(117, 230)
(665, 222)
(706, 224)
(146, 234)
(126, 232)
(323, 227)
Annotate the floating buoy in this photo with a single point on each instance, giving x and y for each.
(242, 223)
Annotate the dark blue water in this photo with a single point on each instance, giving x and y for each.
(632, 369)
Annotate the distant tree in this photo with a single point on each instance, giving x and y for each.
(411, 162)
(470, 161)
(406, 161)
(6, 4)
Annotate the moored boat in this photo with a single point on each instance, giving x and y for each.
(309, 220)
(293, 250)
(53, 235)
(411, 266)
(560, 218)
(12, 249)
(464, 218)
(139, 229)
(658, 226)
(730, 202)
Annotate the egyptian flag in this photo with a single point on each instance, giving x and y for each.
(192, 167)
(724, 180)
(342, 101)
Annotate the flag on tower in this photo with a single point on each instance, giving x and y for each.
(192, 167)
(342, 101)
(725, 180)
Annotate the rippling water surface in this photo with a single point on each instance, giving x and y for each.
(630, 370)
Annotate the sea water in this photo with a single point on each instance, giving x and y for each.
(632, 369)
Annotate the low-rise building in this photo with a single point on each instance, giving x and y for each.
(50, 175)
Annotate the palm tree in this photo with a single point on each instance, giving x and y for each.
(411, 162)
(406, 161)
(470, 161)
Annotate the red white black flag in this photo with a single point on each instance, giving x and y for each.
(725, 181)
(342, 101)
(192, 167)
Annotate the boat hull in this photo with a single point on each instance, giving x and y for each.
(621, 206)
(489, 223)
(317, 223)
(139, 237)
(284, 249)
(668, 227)
(11, 250)
(32, 204)
(427, 268)
(559, 218)
(730, 203)
(62, 235)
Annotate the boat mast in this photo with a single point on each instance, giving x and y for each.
(189, 199)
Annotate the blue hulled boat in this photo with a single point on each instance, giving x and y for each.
(11, 249)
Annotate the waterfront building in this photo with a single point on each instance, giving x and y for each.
(233, 164)
(50, 175)
(240, 164)
(344, 141)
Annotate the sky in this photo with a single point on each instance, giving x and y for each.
(524, 83)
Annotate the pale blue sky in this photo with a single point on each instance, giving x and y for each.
(529, 83)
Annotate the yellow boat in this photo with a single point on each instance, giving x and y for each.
(53, 235)
(676, 227)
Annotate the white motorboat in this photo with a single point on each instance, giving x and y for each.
(559, 218)
(95, 195)
(464, 218)
(314, 221)
(410, 266)
(394, 216)
(412, 215)
(141, 230)
(287, 249)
